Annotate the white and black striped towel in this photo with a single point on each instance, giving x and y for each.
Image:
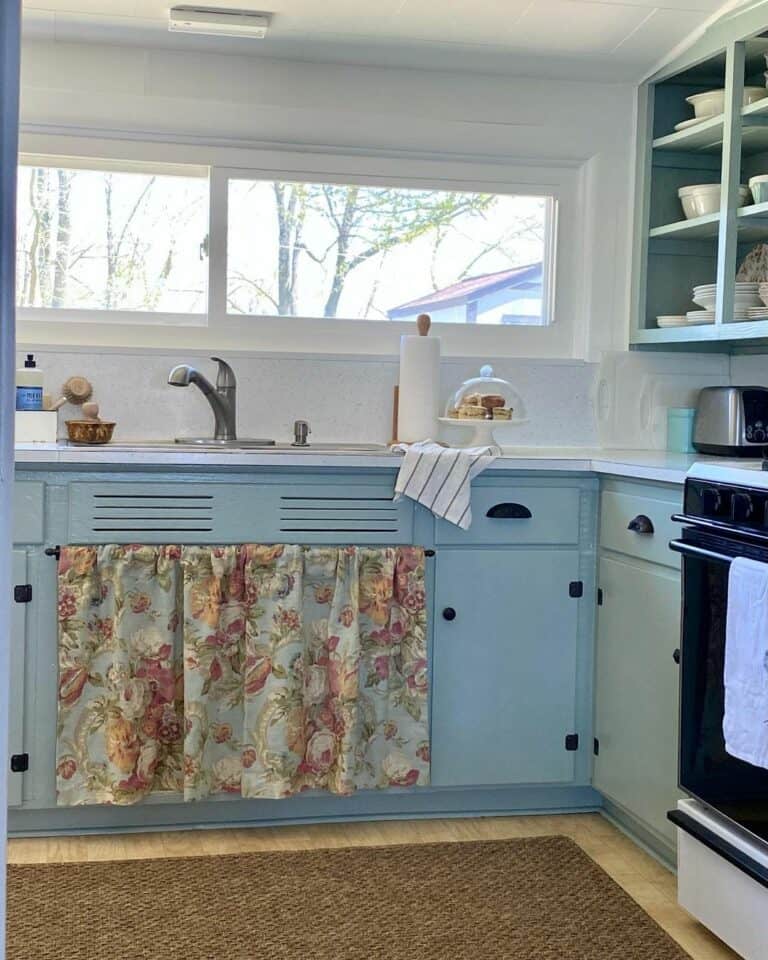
(439, 477)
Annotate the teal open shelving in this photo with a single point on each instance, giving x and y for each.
(672, 254)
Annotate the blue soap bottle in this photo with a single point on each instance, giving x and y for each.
(29, 385)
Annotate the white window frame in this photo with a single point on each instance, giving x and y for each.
(566, 258)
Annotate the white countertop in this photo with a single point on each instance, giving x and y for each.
(658, 465)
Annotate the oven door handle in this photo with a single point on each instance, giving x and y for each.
(689, 550)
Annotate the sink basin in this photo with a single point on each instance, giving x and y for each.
(209, 442)
(344, 447)
(256, 446)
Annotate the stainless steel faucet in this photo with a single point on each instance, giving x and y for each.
(301, 431)
(222, 397)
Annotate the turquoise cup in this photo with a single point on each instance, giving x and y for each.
(680, 429)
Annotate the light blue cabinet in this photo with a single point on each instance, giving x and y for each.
(16, 681)
(504, 675)
(511, 676)
(637, 679)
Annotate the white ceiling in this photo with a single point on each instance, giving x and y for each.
(579, 38)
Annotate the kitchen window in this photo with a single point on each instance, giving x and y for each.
(215, 248)
(102, 239)
(369, 252)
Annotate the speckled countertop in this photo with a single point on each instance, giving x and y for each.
(658, 465)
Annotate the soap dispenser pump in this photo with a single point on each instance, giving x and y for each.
(29, 385)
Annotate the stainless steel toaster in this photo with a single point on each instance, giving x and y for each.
(732, 421)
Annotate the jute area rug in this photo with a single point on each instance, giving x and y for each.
(528, 899)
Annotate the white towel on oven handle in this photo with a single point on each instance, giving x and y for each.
(745, 723)
(440, 477)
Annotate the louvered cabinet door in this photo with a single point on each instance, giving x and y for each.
(217, 512)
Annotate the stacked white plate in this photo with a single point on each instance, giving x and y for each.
(670, 320)
(757, 313)
(762, 292)
(746, 295)
(700, 316)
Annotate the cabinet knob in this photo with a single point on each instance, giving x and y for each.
(641, 524)
(676, 655)
(449, 613)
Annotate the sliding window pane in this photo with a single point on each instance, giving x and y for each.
(384, 253)
(103, 240)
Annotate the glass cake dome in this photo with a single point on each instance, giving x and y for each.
(485, 403)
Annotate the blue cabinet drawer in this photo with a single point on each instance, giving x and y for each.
(619, 517)
(517, 514)
(270, 512)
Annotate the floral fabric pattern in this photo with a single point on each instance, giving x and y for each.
(302, 667)
(120, 721)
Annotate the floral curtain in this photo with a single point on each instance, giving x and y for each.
(289, 668)
(120, 680)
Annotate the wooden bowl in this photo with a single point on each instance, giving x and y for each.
(89, 431)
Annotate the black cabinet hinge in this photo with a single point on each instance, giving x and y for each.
(596, 747)
(572, 741)
(599, 596)
(576, 589)
(22, 593)
(19, 762)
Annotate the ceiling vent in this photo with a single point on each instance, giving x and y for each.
(217, 22)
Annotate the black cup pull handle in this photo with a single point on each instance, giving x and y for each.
(641, 524)
(676, 655)
(509, 511)
(449, 613)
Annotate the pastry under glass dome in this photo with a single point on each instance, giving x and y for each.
(485, 403)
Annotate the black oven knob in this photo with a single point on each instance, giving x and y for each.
(742, 507)
(711, 501)
(758, 436)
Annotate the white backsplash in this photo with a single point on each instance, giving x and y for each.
(750, 370)
(634, 390)
(343, 398)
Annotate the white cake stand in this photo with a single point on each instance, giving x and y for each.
(482, 430)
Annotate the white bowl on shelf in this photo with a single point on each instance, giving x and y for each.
(759, 188)
(711, 103)
(700, 199)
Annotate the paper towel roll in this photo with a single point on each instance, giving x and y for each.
(419, 385)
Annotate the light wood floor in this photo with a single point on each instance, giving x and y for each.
(650, 883)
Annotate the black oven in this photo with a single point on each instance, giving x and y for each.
(721, 522)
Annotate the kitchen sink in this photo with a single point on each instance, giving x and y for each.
(262, 446)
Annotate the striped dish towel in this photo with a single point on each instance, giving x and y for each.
(439, 477)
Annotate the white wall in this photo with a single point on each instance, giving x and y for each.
(304, 114)
(750, 370)
(235, 108)
(634, 389)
